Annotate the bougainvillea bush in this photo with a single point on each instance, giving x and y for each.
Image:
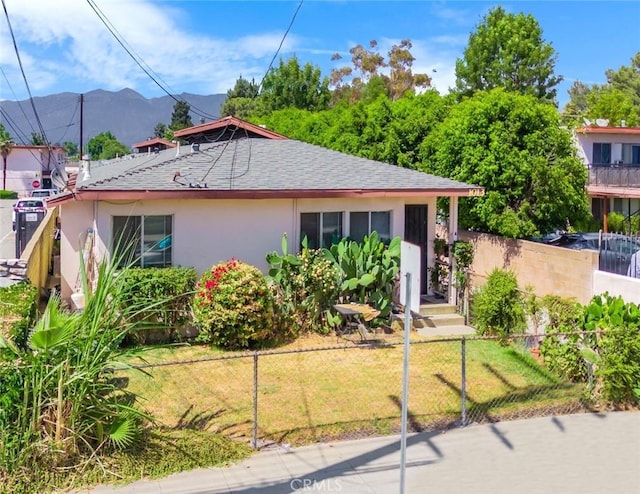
(233, 307)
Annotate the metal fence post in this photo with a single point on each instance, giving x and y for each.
(463, 385)
(254, 433)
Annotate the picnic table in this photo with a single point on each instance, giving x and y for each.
(354, 318)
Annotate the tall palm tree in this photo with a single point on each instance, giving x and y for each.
(5, 149)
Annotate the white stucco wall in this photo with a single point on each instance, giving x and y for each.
(26, 164)
(206, 232)
(615, 284)
(585, 144)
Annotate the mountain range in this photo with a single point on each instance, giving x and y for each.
(128, 115)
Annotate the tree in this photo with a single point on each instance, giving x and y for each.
(612, 104)
(368, 66)
(105, 146)
(243, 89)
(6, 145)
(507, 50)
(389, 131)
(512, 145)
(160, 129)
(180, 118)
(241, 99)
(71, 148)
(290, 85)
(617, 100)
(37, 139)
(627, 80)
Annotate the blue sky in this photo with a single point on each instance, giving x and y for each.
(203, 46)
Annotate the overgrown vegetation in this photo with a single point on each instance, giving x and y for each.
(308, 284)
(159, 322)
(369, 270)
(598, 344)
(18, 312)
(60, 402)
(304, 287)
(498, 305)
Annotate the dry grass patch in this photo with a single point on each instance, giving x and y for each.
(305, 396)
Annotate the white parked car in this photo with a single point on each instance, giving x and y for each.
(44, 193)
(28, 205)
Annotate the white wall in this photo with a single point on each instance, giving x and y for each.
(26, 164)
(75, 219)
(615, 284)
(585, 144)
(206, 232)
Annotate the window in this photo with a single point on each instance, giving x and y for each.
(631, 154)
(363, 223)
(143, 240)
(321, 229)
(601, 153)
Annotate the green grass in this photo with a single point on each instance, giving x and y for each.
(331, 394)
(158, 454)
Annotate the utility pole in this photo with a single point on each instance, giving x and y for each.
(81, 124)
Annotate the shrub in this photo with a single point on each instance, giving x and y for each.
(18, 312)
(562, 356)
(8, 194)
(615, 222)
(305, 287)
(67, 402)
(233, 307)
(369, 270)
(602, 347)
(614, 350)
(498, 306)
(173, 286)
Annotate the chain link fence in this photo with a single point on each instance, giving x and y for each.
(350, 390)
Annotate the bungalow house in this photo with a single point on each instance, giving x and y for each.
(30, 167)
(612, 156)
(153, 145)
(234, 191)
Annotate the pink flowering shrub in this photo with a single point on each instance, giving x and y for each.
(232, 306)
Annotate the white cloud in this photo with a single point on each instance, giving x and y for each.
(64, 39)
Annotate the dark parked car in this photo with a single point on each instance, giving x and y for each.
(615, 249)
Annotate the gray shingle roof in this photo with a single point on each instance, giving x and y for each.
(259, 165)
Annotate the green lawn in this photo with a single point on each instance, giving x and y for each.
(309, 396)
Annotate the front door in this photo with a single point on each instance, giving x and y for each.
(415, 231)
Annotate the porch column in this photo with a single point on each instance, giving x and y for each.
(453, 236)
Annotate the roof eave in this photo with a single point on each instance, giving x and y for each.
(115, 195)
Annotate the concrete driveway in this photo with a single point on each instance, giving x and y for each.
(7, 237)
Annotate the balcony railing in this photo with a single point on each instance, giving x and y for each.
(615, 175)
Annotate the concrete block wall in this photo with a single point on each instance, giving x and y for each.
(549, 270)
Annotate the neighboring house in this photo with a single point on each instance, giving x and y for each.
(153, 145)
(30, 167)
(612, 156)
(234, 192)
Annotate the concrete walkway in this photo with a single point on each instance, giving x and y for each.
(582, 454)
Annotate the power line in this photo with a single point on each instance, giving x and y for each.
(141, 63)
(295, 14)
(26, 82)
(16, 129)
(17, 101)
